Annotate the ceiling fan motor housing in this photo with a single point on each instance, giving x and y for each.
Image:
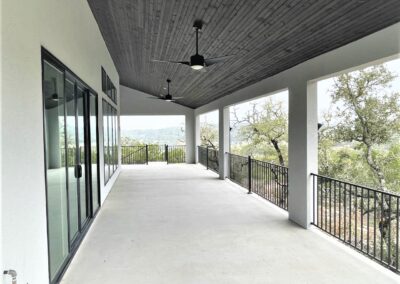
(196, 60)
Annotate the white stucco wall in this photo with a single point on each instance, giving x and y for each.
(134, 102)
(1, 171)
(69, 31)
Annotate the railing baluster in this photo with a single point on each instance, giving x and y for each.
(313, 178)
(389, 244)
(344, 212)
(375, 197)
(381, 226)
(334, 207)
(340, 210)
(350, 215)
(397, 234)
(249, 173)
(355, 214)
(362, 218)
(368, 225)
(330, 206)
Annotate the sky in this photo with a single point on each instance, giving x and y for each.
(243, 108)
(211, 117)
(325, 87)
(136, 122)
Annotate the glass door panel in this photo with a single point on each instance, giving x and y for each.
(81, 92)
(93, 150)
(105, 141)
(54, 124)
(73, 194)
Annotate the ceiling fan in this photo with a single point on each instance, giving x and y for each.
(168, 97)
(197, 61)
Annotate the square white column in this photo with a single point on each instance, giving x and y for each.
(223, 129)
(303, 150)
(190, 135)
(197, 137)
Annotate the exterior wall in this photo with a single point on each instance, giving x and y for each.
(69, 31)
(1, 168)
(134, 102)
(300, 80)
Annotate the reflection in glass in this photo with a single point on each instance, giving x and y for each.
(105, 141)
(110, 134)
(53, 89)
(93, 147)
(81, 153)
(72, 158)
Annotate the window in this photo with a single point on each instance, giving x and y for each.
(110, 134)
(108, 86)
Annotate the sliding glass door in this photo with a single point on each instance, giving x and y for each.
(56, 162)
(93, 133)
(71, 141)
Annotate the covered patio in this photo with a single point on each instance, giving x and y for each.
(181, 224)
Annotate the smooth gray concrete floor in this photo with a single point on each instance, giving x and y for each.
(179, 224)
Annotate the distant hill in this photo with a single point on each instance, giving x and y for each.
(170, 136)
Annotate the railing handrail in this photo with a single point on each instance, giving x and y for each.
(357, 185)
(153, 151)
(152, 145)
(269, 163)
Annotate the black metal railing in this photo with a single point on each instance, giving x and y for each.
(267, 180)
(208, 157)
(202, 155)
(143, 154)
(213, 159)
(270, 181)
(156, 153)
(134, 155)
(176, 154)
(239, 170)
(364, 218)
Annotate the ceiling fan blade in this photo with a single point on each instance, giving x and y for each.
(177, 98)
(215, 60)
(154, 98)
(171, 61)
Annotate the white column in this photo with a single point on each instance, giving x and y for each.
(197, 137)
(223, 129)
(190, 133)
(303, 150)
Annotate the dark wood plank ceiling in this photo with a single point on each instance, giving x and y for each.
(266, 38)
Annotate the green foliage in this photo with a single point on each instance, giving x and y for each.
(361, 145)
(209, 135)
(263, 133)
(366, 112)
(130, 141)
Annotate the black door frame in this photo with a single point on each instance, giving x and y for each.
(72, 247)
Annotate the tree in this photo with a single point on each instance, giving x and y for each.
(209, 135)
(265, 124)
(367, 113)
(367, 116)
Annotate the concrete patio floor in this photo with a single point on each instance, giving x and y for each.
(179, 224)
